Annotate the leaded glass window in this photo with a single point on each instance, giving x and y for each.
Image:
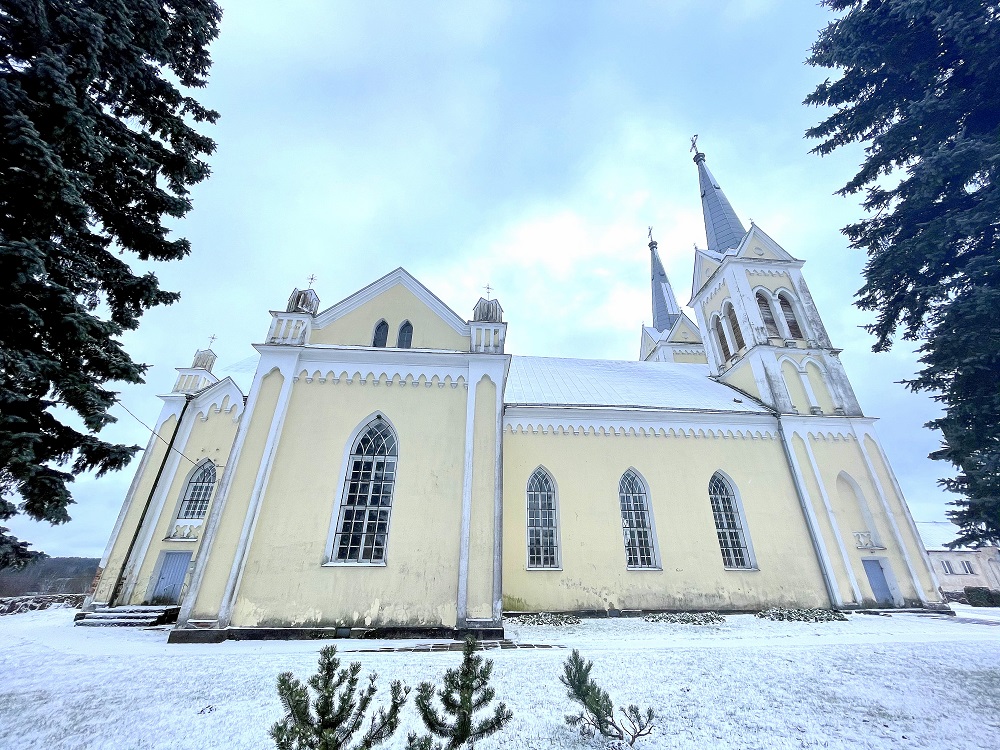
(768, 315)
(728, 524)
(637, 526)
(737, 333)
(363, 524)
(381, 334)
(405, 336)
(723, 343)
(197, 493)
(543, 538)
(793, 325)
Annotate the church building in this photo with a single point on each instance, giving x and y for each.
(394, 469)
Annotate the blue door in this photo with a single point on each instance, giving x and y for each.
(876, 577)
(172, 572)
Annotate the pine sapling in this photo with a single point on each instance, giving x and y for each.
(338, 711)
(598, 714)
(466, 690)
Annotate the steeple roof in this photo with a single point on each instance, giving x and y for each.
(665, 308)
(722, 227)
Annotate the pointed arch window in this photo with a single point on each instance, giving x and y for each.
(405, 336)
(720, 334)
(363, 522)
(637, 522)
(729, 524)
(381, 334)
(543, 530)
(789, 314)
(197, 493)
(767, 313)
(737, 334)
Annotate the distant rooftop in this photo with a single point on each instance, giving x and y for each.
(937, 533)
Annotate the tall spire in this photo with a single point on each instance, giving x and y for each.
(722, 227)
(665, 309)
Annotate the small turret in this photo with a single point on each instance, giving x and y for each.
(487, 327)
(199, 375)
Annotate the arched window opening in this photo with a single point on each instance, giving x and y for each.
(363, 524)
(793, 325)
(720, 334)
(405, 336)
(737, 334)
(543, 545)
(197, 493)
(637, 526)
(381, 334)
(768, 315)
(728, 524)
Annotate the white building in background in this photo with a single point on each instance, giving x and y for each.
(960, 567)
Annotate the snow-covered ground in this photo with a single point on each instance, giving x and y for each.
(904, 681)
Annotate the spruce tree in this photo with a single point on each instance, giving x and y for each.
(99, 146)
(598, 710)
(920, 87)
(466, 690)
(337, 713)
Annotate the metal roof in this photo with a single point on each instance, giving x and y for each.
(936, 533)
(551, 381)
(665, 309)
(722, 227)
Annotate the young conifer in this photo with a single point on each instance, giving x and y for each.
(466, 690)
(598, 713)
(338, 711)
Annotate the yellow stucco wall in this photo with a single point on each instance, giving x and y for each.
(211, 437)
(223, 547)
(695, 359)
(395, 305)
(740, 376)
(714, 305)
(771, 282)
(137, 502)
(480, 596)
(587, 470)
(286, 582)
(818, 384)
(796, 392)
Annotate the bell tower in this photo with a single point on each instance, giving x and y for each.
(761, 329)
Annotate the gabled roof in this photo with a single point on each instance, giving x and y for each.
(758, 245)
(550, 381)
(705, 264)
(402, 277)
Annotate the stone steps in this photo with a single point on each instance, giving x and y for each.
(136, 616)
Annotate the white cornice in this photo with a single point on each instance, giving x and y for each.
(373, 290)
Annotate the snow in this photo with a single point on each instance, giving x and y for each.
(909, 680)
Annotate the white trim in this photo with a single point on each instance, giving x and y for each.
(558, 526)
(744, 521)
(649, 422)
(462, 605)
(657, 560)
(866, 511)
(377, 287)
(183, 495)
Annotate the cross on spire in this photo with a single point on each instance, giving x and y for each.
(311, 280)
(211, 340)
(694, 143)
(488, 289)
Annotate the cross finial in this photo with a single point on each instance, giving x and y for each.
(211, 340)
(651, 233)
(694, 143)
(488, 289)
(311, 280)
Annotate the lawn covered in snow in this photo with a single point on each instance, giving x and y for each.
(909, 680)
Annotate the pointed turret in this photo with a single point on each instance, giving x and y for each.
(722, 227)
(665, 308)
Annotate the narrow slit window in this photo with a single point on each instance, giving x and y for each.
(720, 333)
(405, 337)
(768, 315)
(543, 537)
(737, 333)
(381, 334)
(728, 524)
(793, 325)
(637, 527)
(197, 493)
(363, 523)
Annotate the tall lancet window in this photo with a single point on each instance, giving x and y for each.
(720, 334)
(728, 524)
(793, 325)
(405, 336)
(543, 531)
(637, 522)
(363, 524)
(737, 333)
(197, 493)
(767, 313)
(381, 334)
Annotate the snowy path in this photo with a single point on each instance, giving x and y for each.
(906, 681)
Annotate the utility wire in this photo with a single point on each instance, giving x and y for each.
(193, 463)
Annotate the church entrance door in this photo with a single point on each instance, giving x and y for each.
(876, 577)
(172, 572)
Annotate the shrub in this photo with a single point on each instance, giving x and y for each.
(598, 714)
(466, 690)
(554, 619)
(801, 615)
(980, 596)
(687, 618)
(337, 712)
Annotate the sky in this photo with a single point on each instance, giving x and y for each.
(528, 146)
